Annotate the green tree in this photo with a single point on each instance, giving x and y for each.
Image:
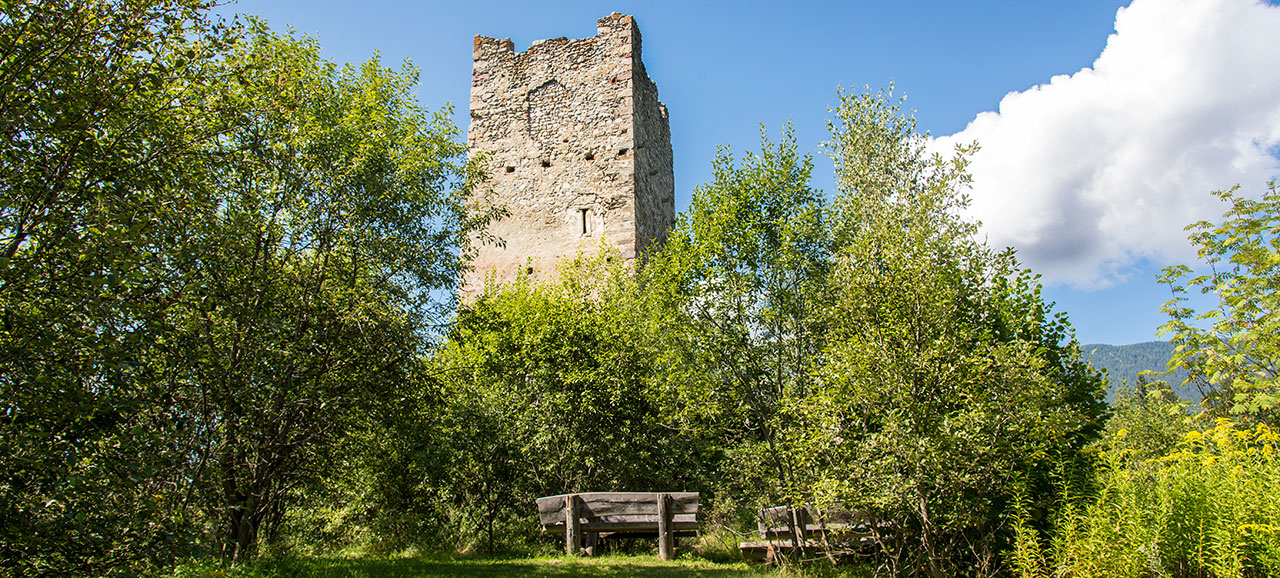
(944, 374)
(219, 252)
(332, 222)
(1230, 352)
(741, 282)
(551, 389)
(1151, 415)
(101, 119)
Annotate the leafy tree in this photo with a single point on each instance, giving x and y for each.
(943, 374)
(742, 282)
(550, 387)
(1151, 416)
(1231, 352)
(219, 251)
(101, 119)
(332, 221)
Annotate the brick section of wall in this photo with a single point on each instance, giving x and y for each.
(578, 148)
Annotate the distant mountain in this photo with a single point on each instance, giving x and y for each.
(1124, 362)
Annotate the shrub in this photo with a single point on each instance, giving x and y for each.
(1207, 508)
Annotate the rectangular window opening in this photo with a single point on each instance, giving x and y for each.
(583, 214)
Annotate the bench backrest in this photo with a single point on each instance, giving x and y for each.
(778, 523)
(618, 509)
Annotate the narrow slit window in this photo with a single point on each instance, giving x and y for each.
(582, 214)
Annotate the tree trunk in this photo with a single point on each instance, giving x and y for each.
(241, 539)
(927, 540)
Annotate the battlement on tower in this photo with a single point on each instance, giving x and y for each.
(578, 147)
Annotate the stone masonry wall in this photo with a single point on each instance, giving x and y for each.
(578, 148)
(655, 179)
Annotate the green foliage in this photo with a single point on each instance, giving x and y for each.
(221, 257)
(1152, 416)
(741, 286)
(1231, 351)
(868, 353)
(944, 373)
(1025, 556)
(326, 233)
(383, 490)
(100, 119)
(1207, 508)
(217, 256)
(549, 389)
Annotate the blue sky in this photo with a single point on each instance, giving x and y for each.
(1104, 125)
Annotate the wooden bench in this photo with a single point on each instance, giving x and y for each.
(620, 514)
(828, 531)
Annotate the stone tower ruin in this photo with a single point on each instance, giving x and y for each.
(578, 148)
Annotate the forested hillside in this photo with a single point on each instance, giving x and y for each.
(1125, 362)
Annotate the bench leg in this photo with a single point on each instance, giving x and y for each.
(572, 531)
(666, 538)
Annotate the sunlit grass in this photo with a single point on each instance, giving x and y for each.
(429, 566)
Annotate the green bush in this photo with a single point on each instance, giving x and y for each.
(1207, 508)
(550, 389)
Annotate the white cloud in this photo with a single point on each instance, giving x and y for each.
(1090, 172)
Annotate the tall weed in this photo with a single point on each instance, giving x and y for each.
(1207, 508)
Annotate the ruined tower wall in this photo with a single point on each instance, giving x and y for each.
(578, 147)
(655, 177)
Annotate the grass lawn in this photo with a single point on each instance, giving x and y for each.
(428, 566)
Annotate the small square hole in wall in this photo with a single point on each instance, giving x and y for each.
(546, 164)
(590, 156)
(622, 152)
(511, 169)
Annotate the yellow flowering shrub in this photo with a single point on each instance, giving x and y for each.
(1210, 507)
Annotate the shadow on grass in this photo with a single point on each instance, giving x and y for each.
(606, 566)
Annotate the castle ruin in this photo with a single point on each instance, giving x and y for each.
(578, 146)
